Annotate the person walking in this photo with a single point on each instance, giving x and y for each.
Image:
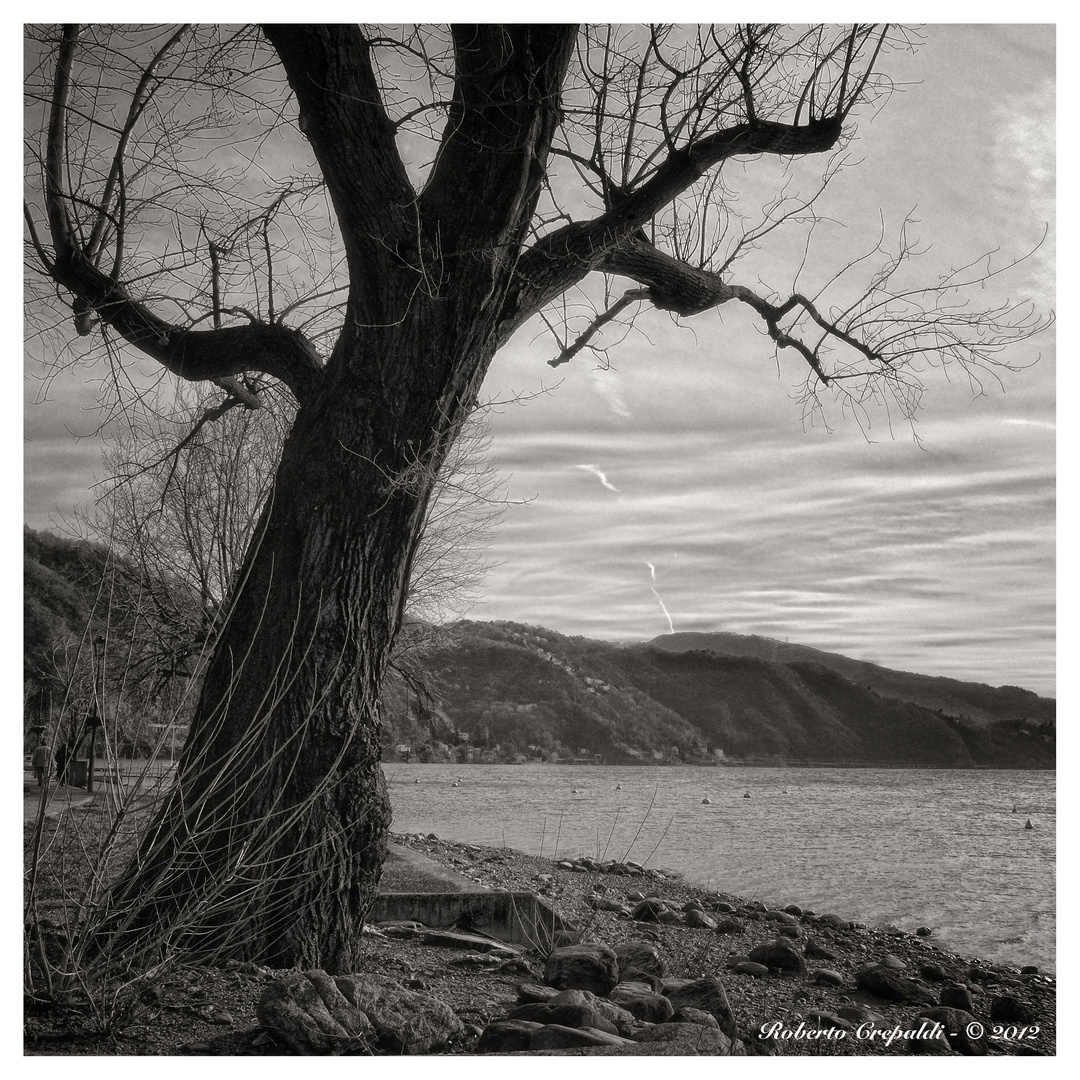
(40, 762)
(61, 756)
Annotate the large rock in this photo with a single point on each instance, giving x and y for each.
(556, 1037)
(687, 1039)
(929, 1042)
(315, 1013)
(889, 984)
(957, 1024)
(642, 955)
(687, 1015)
(828, 977)
(697, 919)
(614, 1014)
(817, 952)
(823, 1020)
(650, 982)
(729, 926)
(309, 1013)
(748, 967)
(405, 1021)
(778, 955)
(1010, 1009)
(956, 996)
(567, 1014)
(649, 1007)
(604, 903)
(781, 917)
(933, 973)
(506, 1037)
(592, 967)
(860, 1014)
(834, 921)
(649, 909)
(708, 995)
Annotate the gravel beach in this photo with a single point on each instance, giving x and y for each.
(811, 983)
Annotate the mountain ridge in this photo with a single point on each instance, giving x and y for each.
(518, 691)
(980, 702)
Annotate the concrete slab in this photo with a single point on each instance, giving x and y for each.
(521, 918)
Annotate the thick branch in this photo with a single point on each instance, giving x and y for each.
(195, 355)
(503, 116)
(676, 286)
(56, 147)
(191, 354)
(565, 256)
(341, 112)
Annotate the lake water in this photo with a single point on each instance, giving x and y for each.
(910, 847)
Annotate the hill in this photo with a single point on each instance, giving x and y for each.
(512, 692)
(975, 702)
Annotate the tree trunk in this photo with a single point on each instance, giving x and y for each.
(271, 846)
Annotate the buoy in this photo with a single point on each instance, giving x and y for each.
(618, 787)
(1028, 825)
(747, 795)
(1014, 808)
(785, 791)
(455, 784)
(417, 780)
(706, 801)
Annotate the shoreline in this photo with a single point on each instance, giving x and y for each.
(808, 990)
(732, 764)
(581, 892)
(935, 849)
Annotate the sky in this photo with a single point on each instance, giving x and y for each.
(680, 488)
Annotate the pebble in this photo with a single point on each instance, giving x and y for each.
(748, 967)
(828, 977)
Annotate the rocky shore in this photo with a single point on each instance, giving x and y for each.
(655, 966)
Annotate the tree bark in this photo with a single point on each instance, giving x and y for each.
(271, 844)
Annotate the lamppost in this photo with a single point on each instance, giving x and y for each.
(93, 722)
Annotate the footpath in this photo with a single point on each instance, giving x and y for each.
(59, 797)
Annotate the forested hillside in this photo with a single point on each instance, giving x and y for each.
(975, 701)
(518, 691)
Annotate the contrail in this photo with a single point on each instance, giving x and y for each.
(652, 572)
(599, 475)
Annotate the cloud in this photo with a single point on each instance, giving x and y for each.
(605, 383)
(599, 475)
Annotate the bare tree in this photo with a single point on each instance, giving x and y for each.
(365, 216)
